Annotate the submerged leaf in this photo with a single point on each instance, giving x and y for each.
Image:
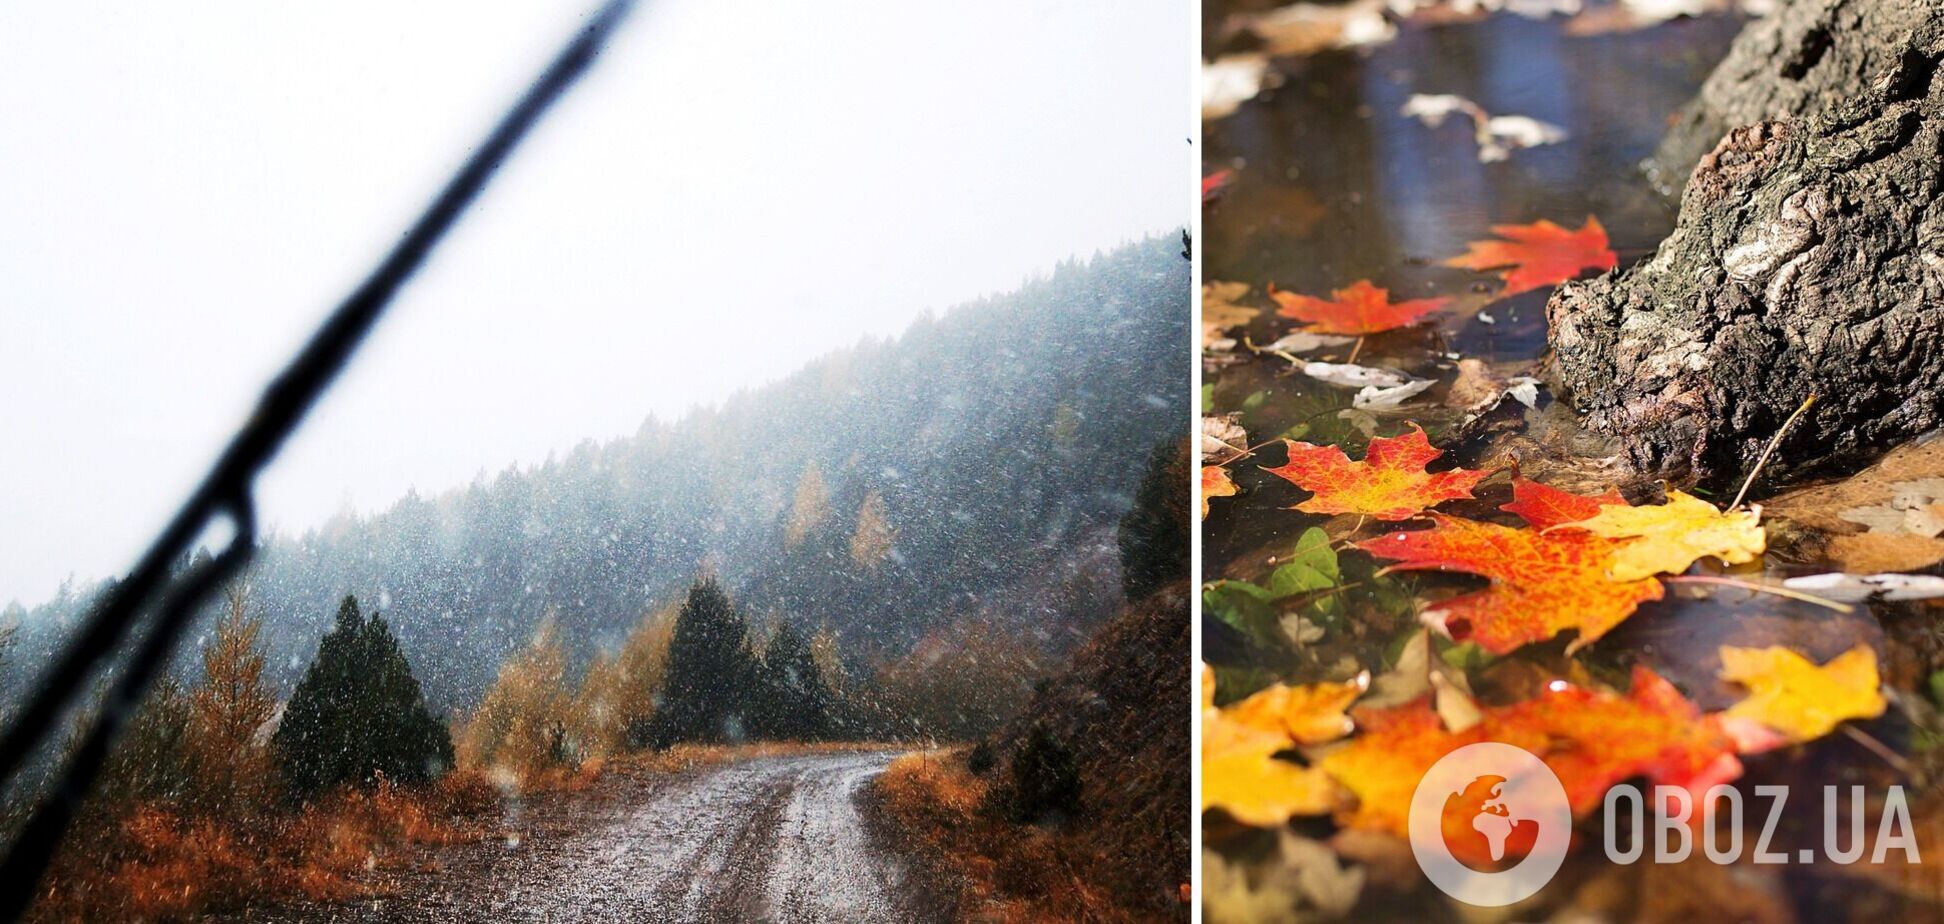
(1791, 694)
(1306, 714)
(1242, 775)
(1887, 517)
(1214, 183)
(1591, 739)
(1220, 312)
(1544, 507)
(1543, 583)
(1215, 483)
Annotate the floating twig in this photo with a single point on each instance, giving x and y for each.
(1754, 587)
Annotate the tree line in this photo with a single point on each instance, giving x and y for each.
(882, 493)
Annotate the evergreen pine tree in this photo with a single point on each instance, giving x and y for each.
(1045, 781)
(150, 762)
(1154, 534)
(358, 713)
(711, 674)
(799, 704)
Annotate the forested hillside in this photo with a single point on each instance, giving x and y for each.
(973, 468)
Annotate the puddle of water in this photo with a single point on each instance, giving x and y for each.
(1332, 183)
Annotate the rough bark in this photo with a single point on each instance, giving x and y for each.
(1808, 59)
(1808, 258)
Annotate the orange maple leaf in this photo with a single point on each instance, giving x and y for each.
(1215, 483)
(1543, 583)
(1591, 739)
(1539, 254)
(1382, 765)
(1360, 309)
(1389, 484)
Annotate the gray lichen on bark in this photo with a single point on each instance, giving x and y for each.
(1808, 258)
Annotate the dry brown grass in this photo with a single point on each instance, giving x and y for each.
(931, 805)
(156, 864)
(683, 757)
(1121, 854)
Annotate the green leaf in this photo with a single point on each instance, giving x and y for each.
(1467, 657)
(1245, 607)
(1311, 566)
(1208, 398)
(1235, 682)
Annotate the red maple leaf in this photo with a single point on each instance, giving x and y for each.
(1543, 583)
(1360, 309)
(1389, 484)
(1214, 183)
(1539, 254)
(1544, 507)
(1591, 740)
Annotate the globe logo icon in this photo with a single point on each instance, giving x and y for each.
(1490, 824)
(1482, 831)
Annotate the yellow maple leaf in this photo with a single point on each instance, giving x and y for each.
(1241, 773)
(1791, 694)
(1669, 537)
(1306, 714)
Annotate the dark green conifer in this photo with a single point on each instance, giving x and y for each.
(1154, 534)
(712, 680)
(358, 714)
(799, 704)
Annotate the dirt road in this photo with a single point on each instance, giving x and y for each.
(765, 839)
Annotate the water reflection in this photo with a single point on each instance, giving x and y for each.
(1334, 184)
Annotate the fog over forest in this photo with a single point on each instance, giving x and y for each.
(971, 471)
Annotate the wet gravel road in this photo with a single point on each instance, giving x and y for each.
(764, 839)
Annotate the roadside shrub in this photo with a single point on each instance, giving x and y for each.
(1045, 784)
(982, 758)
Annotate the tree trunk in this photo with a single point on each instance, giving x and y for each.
(1808, 258)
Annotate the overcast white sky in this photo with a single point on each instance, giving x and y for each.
(185, 189)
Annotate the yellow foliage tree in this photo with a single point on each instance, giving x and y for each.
(1064, 431)
(874, 539)
(227, 752)
(520, 729)
(811, 507)
(828, 653)
(620, 687)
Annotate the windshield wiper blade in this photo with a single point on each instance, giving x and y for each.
(226, 491)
